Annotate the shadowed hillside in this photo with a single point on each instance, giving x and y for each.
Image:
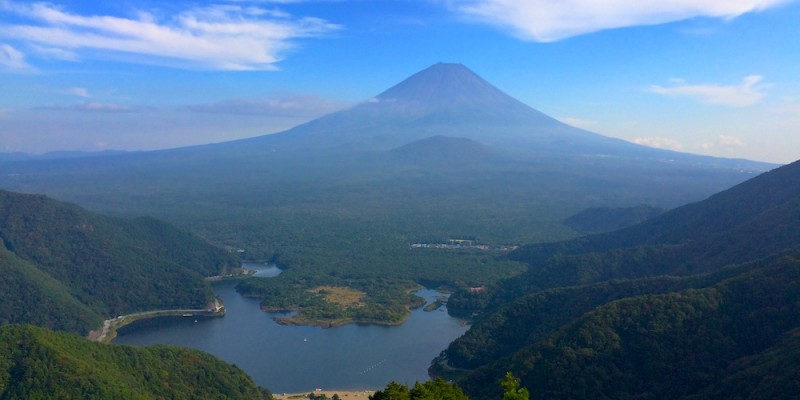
(36, 363)
(64, 267)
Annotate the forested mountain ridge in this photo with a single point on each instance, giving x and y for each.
(724, 211)
(600, 316)
(39, 364)
(71, 266)
(526, 318)
(752, 220)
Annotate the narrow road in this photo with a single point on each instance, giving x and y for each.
(107, 332)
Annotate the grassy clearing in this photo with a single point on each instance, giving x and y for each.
(341, 296)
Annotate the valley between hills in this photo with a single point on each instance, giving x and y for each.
(685, 288)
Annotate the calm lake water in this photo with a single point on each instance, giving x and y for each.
(301, 358)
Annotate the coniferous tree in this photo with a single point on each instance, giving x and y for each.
(511, 389)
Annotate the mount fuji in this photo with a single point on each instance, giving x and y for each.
(443, 152)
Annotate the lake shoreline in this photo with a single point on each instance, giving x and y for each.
(327, 324)
(108, 331)
(352, 357)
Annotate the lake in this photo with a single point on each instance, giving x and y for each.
(301, 358)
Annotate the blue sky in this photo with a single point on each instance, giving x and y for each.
(702, 76)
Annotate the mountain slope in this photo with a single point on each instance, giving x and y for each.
(532, 317)
(34, 297)
(769, 375)
(752, 220)
(606, 219)
(66, 263)
(445, 152)
(36, 363)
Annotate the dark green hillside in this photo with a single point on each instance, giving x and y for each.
(532, 317)
(31, 296)
(772, 374)
(39, 364)
(663, 346)
(81, 265)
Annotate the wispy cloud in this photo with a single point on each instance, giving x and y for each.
(78, 91)
(724, 142)
(745, 94)
(659, 142)
(92, 106)
(548, 20)
(579, 122)
(282, 106)
(55, 53)
(11, 58)
(221, 37)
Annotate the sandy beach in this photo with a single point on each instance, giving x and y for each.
(343, 394)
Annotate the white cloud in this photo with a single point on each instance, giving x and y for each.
(578, 122)
(745, 94)
(11, 58)
(229, 37)
(724, 142)
(55, 53)
(94, 106)
(78, 91)
(551, 20)
(730, 141)
(659, 142)
(284, 106)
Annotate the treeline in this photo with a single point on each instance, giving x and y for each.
(39, 364)
(439, 389)
(69, 268)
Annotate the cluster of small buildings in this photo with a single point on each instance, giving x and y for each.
(461, 244)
